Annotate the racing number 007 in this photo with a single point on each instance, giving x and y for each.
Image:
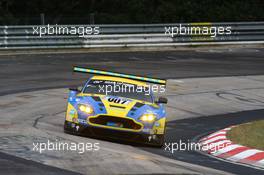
(117, 100)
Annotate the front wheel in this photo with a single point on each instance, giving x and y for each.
(158, 141)
(70, 128)
(160, 138)
(161, 141)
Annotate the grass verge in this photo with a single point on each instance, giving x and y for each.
(249, 134)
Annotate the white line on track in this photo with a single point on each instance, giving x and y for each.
(213, 139)
(243, 154)
(226, 149)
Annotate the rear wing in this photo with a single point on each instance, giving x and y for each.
(115, 74)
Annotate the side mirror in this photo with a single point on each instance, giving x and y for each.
(78, 89)
(162, 100)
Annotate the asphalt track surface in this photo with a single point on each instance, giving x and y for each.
(15, 165)
(31, 72)
(20, 73)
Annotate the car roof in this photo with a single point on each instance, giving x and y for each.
(118, 79)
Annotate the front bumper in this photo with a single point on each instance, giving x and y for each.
(138, 137)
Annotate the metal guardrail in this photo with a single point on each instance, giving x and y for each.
(23, 37)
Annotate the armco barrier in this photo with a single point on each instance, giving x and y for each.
(129, 35)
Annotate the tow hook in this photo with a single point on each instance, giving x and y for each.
(154, 137)
(149, 137)
(77, 127)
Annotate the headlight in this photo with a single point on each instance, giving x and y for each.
(86, 108)
(148, 118)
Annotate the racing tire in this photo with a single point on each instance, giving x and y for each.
(161, 139)
(159, 142)
(69, 130)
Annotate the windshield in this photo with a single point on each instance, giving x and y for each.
(120, 89)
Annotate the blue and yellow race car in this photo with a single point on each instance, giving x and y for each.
(115, 105)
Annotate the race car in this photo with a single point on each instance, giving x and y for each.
(116, 106)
